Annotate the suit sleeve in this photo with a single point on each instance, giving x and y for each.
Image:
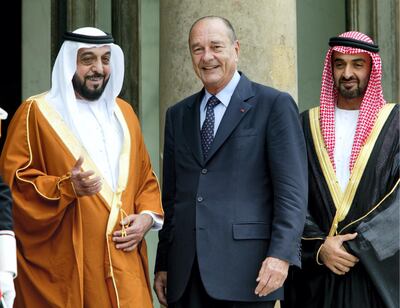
(287, 159)
(6, 222)
(168, 195)
(8, 260)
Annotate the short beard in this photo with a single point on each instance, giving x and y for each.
(358, 92)
(349, 94)
(85, 92)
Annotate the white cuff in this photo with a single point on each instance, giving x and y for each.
(158, 221)
(7, 289)
(8, 252)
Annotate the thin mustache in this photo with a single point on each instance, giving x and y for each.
(94, 76)
(349, 79)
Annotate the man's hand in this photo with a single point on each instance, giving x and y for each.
(7, 288)
(335, 256)
(272, 275)
(83, 184)
(160, 287)
(136, 226)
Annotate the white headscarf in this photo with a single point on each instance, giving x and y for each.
(62, 96)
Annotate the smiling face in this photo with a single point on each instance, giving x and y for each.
(214, 53)
(92, 72)
(351, 75)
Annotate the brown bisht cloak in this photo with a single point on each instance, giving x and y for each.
(66, 257)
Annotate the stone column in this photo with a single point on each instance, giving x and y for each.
(266, 30)
(380, 21)
(125, 29)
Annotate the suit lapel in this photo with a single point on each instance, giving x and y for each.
(191, 127)
(237, 109)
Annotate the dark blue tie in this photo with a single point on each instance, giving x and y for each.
(207, 130)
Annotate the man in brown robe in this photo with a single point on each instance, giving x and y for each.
(83, 187)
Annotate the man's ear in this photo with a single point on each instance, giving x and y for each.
(237, 49)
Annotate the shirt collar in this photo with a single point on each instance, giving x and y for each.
(226, 93)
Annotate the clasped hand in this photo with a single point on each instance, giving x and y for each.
(335, 256)
(135, 228)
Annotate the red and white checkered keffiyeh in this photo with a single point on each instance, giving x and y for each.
(371, 104)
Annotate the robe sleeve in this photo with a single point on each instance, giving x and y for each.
(40, 196)
(312, 240)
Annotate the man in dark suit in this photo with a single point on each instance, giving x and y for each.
(8, 253)
(234, 184)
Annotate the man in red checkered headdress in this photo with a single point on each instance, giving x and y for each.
(350, 244)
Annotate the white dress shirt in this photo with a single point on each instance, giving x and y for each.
(345, 129)
(101, 134)
(224, 96)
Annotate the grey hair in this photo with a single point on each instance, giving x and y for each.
(231, 30)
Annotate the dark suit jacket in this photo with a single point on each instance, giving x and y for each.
(5, 207)
(245, 202)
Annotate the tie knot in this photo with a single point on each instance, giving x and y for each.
(213, 101)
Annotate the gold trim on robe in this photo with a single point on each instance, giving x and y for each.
(373, 208)
(112, 199)
(343, 201)
(17, 173)
(63, 259)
